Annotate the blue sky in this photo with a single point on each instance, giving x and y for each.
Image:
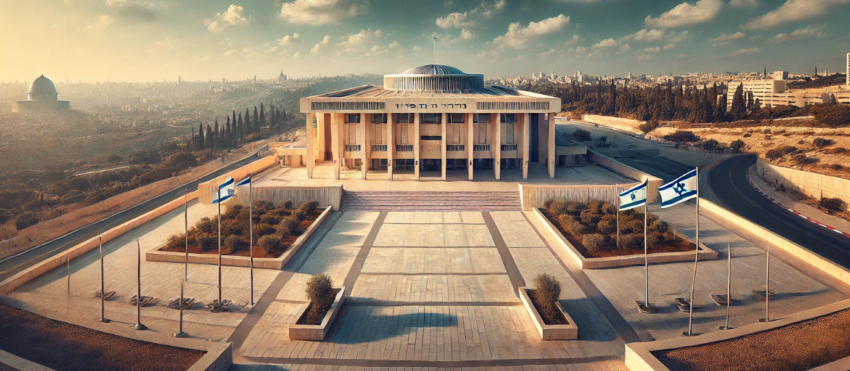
(155, 40)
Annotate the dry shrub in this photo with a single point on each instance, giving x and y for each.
(232, 244)
(631, 241)
(593, 242)
(609, 209)
(207, 241)
(575, 208)
(831, 204)
(557, 207)
(546, 292)
(578, 229)
(608, 224)
(589, 217)
(287, 226)
(320, 292)
(270, 218)
(263, 229)
(269, 243)
(653, 238)
(233, 211)
(658, 225)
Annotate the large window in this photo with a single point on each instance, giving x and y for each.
(350, 134)
(508, 118)
(509, 133)
(379, 118)
(455, 118)
(403, 130)
(481, 118)
(431, 118)
(380, 130)
(352, 118)
(403, 118)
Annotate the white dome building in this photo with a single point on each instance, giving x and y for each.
(41, 97)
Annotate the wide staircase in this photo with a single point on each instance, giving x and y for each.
(431, 201)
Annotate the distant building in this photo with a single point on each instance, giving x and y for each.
(780, 75)
(42, 97)
(282, 77)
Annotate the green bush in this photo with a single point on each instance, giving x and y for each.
(631, 241)
(588, 217)
(557, 207)
(822, 142)
(577, 229)
(262, 229)
(269, 243)
(593, 242)
(546, 292)
(270, 219)
(207, 242)
(658, 225)
(737, 145)
(287, 226)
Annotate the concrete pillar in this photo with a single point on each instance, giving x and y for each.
(416, 140)
(310, 144)
(550, 146)
(443, 145)
(390, 139)
(320, 138)
(470, 143)
(497, 146)
(364, 144)
(542, 133)
(526, 135)
(336, 143)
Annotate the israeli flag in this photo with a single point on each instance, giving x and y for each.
(680, 190)
(225, 190)
(633, 197)
(244, 182)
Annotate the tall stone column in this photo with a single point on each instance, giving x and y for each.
(310, 143)
(497, 146)
(319, 143)
(416, 139)
(542, 133)
(470, 143)
(526, 134)
(390, 140)
(443, 150)
(336, 143)
(364, 145)
(550, 140)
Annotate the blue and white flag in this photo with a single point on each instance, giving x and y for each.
(244, 182)
(633, 197)
(680, 190)
(225, 191)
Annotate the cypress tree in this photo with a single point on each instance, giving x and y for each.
(234, 116)
(256, 121)
(201, 143)
(245, 130)
(262, 115)
(193, 143)
(210, 138)
(248, 124)
(228, 139)
(737, 109)
(217, 136)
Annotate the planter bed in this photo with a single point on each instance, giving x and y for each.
(585, 262)
(63, 346)
(299, 331)
(566, 331)
(241, 258)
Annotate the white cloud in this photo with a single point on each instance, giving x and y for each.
(792, 11)
(740, 52)
(321, 12)
(669, 46)
(321, 45)
(473, 17)
(393, 45)
(361, 38)
(102, 22)
(744, 3)
(647, 35)
(725, 39)
(652, 50)
(231, 52)
(605, 44)
(809, 32)
(134, 10)
(466, 35)
(296, 55)
(686, 14)
(572, 41)
(233, 16)
(518, 36)
(290, 39)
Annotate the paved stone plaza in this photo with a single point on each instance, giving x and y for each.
(429, 290)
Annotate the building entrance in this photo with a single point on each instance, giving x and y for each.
(431, 165)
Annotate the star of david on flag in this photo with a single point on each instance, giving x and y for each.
(225, 191)
(633, 197)
(680, 190)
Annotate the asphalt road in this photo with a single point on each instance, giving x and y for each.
(728, 181)
(15, 264)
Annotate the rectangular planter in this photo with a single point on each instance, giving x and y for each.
(240, 261)
(549, 332)
(317, 332)
(622, 261)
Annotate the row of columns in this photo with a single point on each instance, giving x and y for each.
(338, 148)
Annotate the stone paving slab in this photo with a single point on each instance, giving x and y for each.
(612, 365)
(425, 333)
(507, 215)
(434, 288)
(433, 260)
(518, 233)
(433, 235)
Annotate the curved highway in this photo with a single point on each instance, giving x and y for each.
(728, 181)
(17, 263)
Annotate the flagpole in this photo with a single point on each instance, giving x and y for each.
(102, 286)
(767, 287)
(186, 233)
(251, 230)
(696, 260)
(728, 281)
(219, 245)
(645, 254)
(617, 194)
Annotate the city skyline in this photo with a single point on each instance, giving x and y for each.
(137, 41)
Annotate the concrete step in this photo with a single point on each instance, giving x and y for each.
(431, 201)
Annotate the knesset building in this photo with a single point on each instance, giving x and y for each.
(433, 118)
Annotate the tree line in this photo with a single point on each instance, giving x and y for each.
(238, 128)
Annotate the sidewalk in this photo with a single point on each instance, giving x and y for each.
(804, 209)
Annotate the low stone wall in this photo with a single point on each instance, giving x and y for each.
(690, 158)
(239, 261)
(568, 331)
(207, 190)
(812, 184)
(813, 259)
(11, 362)
(615, 122)
(628, 172)
(317, 332)
(535, 195)
(60, 259)
(330, 195)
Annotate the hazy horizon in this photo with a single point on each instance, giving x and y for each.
(157, 40)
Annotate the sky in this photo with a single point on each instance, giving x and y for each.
(157, 40)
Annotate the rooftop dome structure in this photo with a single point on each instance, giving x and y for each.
(434, 77)
(42, 89)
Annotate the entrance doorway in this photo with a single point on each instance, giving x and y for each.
(431, 165)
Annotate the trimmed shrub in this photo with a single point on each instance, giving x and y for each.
(822, 142)
(233, 211)
(206, 225)
(575, 208)
(546, 292)
(831, 204)
(608, 224)
(593, 242)
(270, 218)
(835, 167)
(263, 229)
(309, 205)
(287, 226)
(320, 292)
(588, 217)
(631, 241)
(231, 244)
(658, 225)
(577, 229)
(653, 238)
(609, 209)
(269, 243)
(207, 242)
(557, 207)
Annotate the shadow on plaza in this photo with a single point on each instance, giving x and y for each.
(362, 325)
(582, 312)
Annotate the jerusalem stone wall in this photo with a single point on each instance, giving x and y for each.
(812, 184)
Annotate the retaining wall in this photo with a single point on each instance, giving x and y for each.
(615, 122)
(330, 195)
(535, 195)
(628, 172)
(812, 184)
(207, 190)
